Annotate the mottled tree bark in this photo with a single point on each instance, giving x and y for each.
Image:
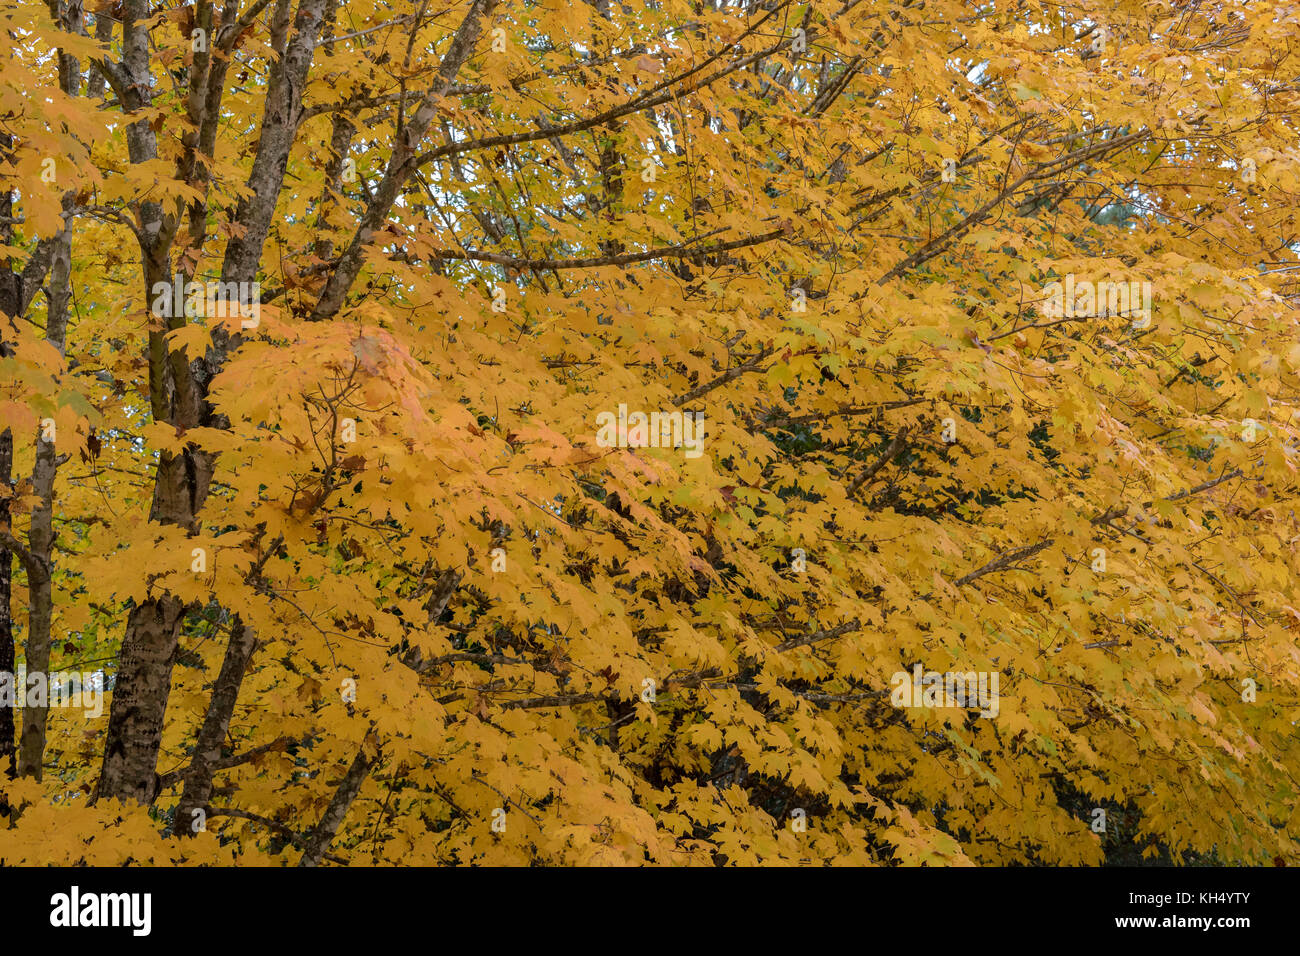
(7, 656)
(347, 791)
(103, 33)
(216, 725)
(139, 703)
(40, 607)
(40, 535)
(10, 285)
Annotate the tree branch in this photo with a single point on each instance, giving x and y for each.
(321, 837)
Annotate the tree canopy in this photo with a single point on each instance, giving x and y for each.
(535, 431)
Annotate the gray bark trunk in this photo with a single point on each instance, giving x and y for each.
(40, 607)
(7, 658)
(347, 791)
(10, 294)
(149, 645)
(216, 725)
(140, 701)
(40, 536)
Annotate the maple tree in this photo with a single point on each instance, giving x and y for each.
(370, 583)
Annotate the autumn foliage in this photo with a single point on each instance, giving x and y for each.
(371, 584)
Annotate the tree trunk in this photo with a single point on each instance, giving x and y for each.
(216, 725)
(40, 536)
(149, 645)
(10, 296)
(40, 608)
(347, 791)
(17, 289)
(7, 658)
(139, 705)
